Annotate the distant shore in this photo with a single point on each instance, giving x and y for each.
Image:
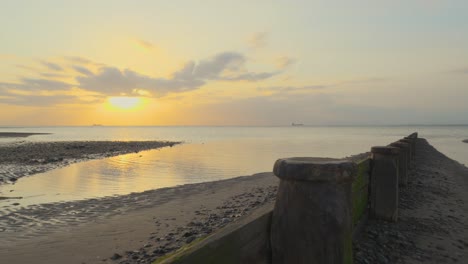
(19, 134)
(27, 158)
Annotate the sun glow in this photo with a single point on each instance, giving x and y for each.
(125, 102)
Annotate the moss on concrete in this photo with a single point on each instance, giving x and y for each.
(360, 194)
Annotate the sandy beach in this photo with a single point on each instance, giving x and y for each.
(135, 228)
(140, 227)
(27, 158)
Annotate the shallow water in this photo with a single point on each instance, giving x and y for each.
(210, 153)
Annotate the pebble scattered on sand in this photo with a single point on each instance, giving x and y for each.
(205, 223)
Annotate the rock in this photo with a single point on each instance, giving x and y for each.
(190, 239)
(465, 141)
(115, 256)
(188, 234)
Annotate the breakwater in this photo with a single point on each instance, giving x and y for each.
(321, 204)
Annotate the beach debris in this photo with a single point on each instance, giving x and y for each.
(115, 256)
(8, 198)
(190, 239)
(465, 141)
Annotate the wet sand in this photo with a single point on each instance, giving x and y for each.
(135, 228)
(27, 158)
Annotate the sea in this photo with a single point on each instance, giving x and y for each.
(207, 154)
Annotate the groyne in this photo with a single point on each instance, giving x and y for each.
(321, 205)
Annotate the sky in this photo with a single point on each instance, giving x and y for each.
(216, 62)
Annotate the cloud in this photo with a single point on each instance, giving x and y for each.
(258, 40)
(36, 84)
(227, 66)
(283, 89)
(145, 44)
(82, 61)
(35, 100)
(53, 75)
(52, 66)
(361, 81)
(459, 71)
(284, 61)
(82, 70)
(111, 81)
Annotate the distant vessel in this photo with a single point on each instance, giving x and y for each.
(97, 125)
(294, 124)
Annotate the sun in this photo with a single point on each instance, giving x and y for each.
(124, 102)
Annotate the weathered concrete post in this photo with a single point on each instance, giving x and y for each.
(384, 183)
(403, 160)
(411, 149)
(312, 219)
(412, 144)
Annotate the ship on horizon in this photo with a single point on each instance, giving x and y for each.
(296, 124)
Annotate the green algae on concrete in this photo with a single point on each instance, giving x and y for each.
(244, 241)
(360, 190)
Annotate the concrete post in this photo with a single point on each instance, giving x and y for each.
(384, 183)
(312, 218)
(412, 143)
(403, 160)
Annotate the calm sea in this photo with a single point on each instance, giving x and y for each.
(208, 154)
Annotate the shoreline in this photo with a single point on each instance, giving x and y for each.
(28, 158)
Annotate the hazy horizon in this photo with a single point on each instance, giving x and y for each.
(242, 63)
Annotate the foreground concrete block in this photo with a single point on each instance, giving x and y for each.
(403, 160)
(312, 221)
(244, 241)
(384, 183)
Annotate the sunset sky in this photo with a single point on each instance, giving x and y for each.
(233, 62)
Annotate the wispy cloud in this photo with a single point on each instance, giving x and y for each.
(278, 89)
(145, 44)
(82, 70)
(36, 84)
(459, 71)
(258, 40)
(52, 66)
(284, 62)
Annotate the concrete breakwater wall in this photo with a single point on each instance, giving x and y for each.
(321, 204)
